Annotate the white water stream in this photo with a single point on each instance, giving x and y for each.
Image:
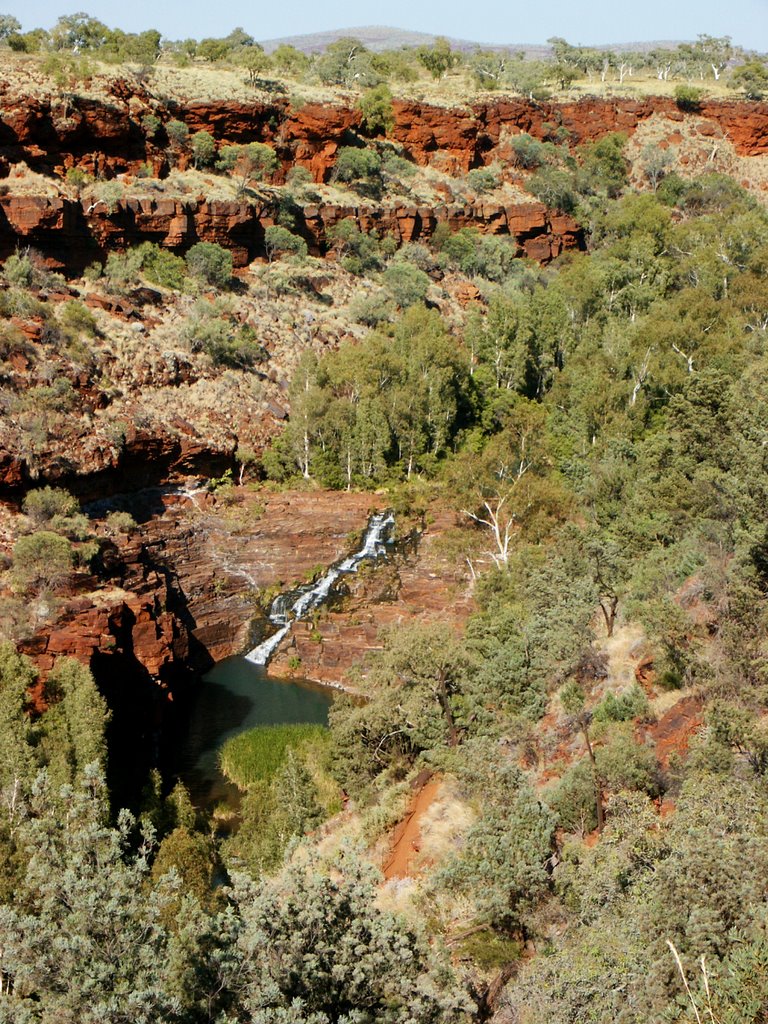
(282, 614)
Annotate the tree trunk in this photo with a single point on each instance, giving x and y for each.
(598, 788)
(445, 704)
(609, 611)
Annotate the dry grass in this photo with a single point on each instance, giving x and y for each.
(202, 82)
(699, 146)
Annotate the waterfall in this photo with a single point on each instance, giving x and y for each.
(282, 612)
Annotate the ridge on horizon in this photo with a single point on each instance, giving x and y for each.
(385, 37)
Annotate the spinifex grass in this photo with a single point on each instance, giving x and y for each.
(257, 755)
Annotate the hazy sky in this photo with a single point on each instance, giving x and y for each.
(493, 21)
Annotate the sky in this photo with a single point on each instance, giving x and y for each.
(489, 21)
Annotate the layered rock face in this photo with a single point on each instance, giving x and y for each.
(72, 233)
(108, 138)
(182, 592)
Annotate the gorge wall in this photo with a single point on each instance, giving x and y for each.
(107, 138)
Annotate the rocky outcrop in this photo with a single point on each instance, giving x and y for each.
(112, 137)
(71, 233)
(109, 138)
(140, 459)
(422, 584)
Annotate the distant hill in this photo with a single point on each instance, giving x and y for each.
(381, 37)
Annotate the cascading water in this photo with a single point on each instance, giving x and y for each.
(282, 612)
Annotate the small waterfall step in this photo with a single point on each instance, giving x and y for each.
(282, 612)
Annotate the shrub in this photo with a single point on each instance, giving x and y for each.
(210, 263)
(573, 799)
(225, 344)
(529, 152)
(398, 167)
(355, 164)
(622, 707)
(77, 319)
(177, 133)
(298, 177)
(77, 177)
(406, 283)
(359, 251)
(360, 168)
(110, 193)
(11, 340)
(375, 106)
(251, 163)
(688, 97)
(203, 149)
(482, 179)
(42, 560)
(19, 270)
(162, 267)
(75, 527)
(151, 124)
(553, 187)
(213, 50)
(374, 309)
(43, 503)
(119, 522)
(752, 78)
(417, 254)
(488, 256)
(279, 241)
(59, 396)
(604, 167)
(122, 269)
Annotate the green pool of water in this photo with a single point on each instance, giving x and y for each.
(233, 697)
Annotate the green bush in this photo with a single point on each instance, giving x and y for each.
(122, 269)
(375, 106)
(688, 97)
(406, 283)
(553, 187)
(279, 241)
(43, 503)
(374, 309)
(359, 168)
(11, 340)
(151, 124)
(162, 267)
(488, 256)
(119, 522)
(572, 799)
(42, 560)
(397, 166)
(530, 152)
(77, 177)
(177, 133)
(482, 179)
(19, 270)
(212, 50)
(59, 396)
(298, 177)
(225, 344)
(203, 147)
(359, 251)
(752, 78)
(247, 164)
(210, 263)
(622, 707)
(77, 319)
